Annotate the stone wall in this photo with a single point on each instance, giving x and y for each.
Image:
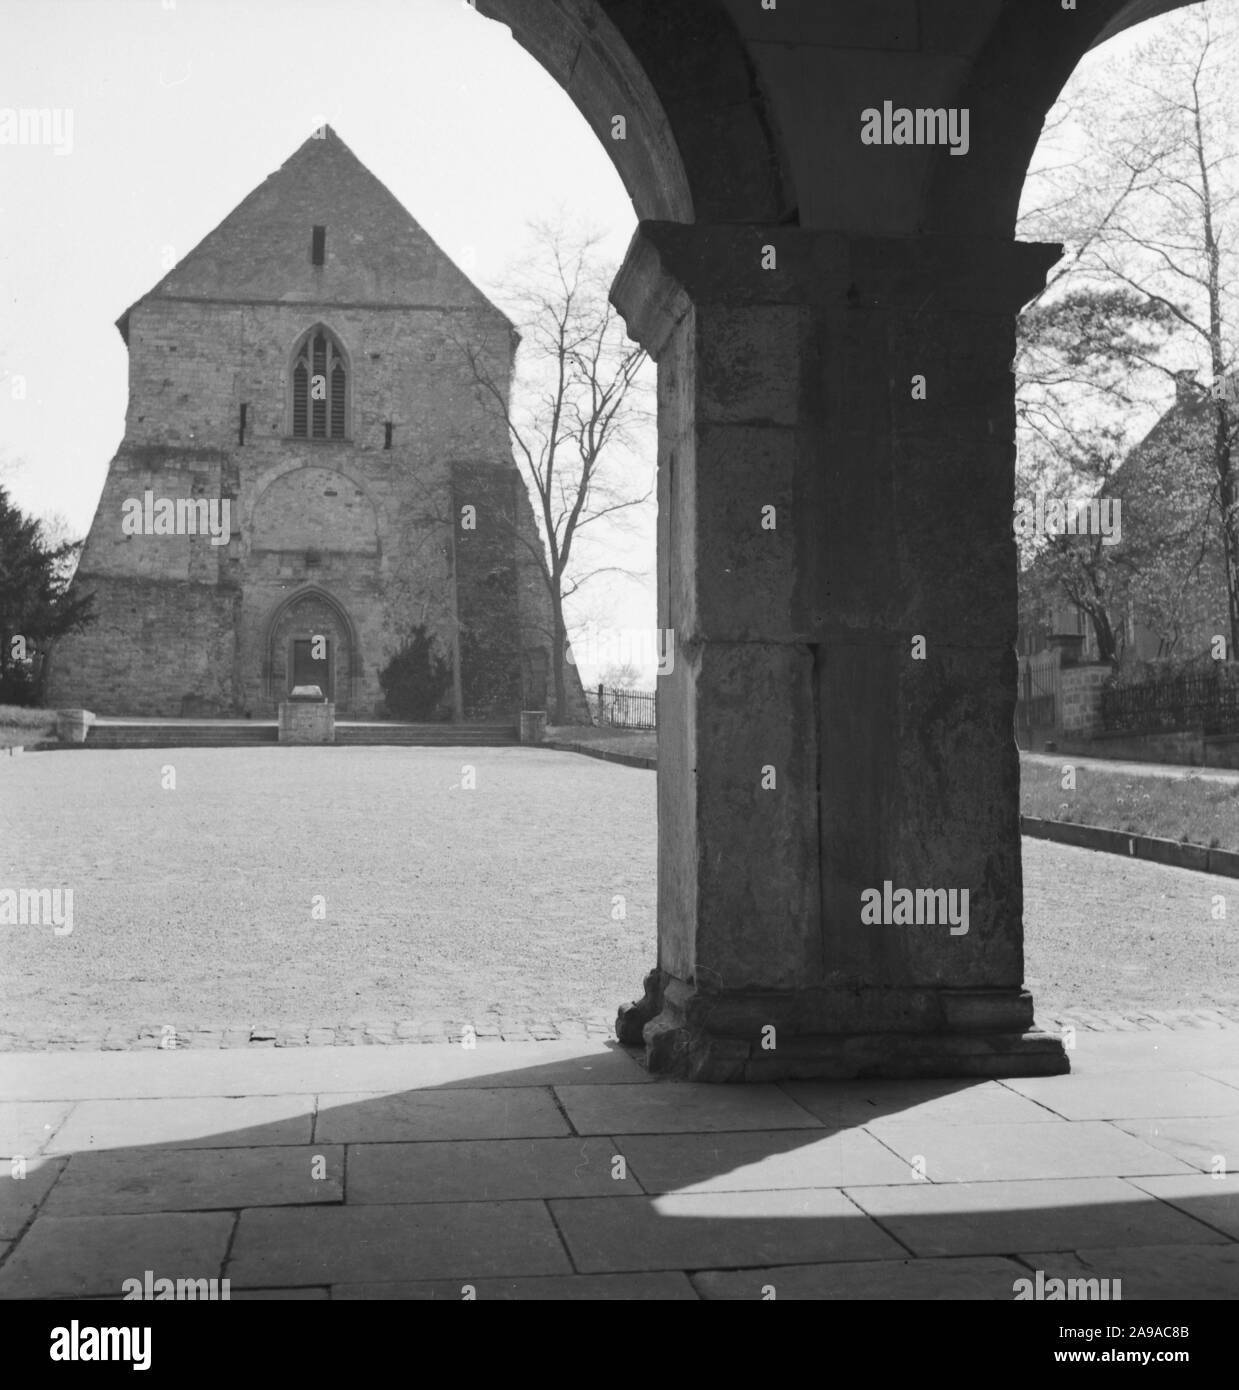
(159, 647)
(192, 365)
(1184, 749)
(183, 619)
(1079, 698)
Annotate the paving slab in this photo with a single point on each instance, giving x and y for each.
(1214, 1201)
(1204, 1049)
(568, 1288)
(489, 1170)
(243, 1295)
(995, 1218)
(1130, 1095)
(996, 1153)
(25, 1126)
(139, 1180)
(1158, 1272)
(158, 1072)
(980, 1277)
(680, 1107)
(1199, 1143)
(200, 1122)
(754, 1161)
(704, 1230)
(20, 1197)
(436, 1240)
(83, 1256)
(849, 1103)
(500, 1113)
(319, 1295)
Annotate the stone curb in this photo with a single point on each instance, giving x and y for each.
(377, 1033)
(627, 759)
(220, 1039)
(1148, 847)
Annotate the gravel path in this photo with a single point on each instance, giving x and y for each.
(194, 907)
(1106, 933)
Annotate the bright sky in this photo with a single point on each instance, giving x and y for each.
(179, 109)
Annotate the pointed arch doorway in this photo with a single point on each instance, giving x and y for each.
(311, 640)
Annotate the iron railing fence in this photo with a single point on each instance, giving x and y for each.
(1036, 714)
(1036, 708)
(1182, 703)
(624, 709)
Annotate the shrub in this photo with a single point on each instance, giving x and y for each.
(19, 685)
(416, 679)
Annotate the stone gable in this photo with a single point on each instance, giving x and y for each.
(343, 536)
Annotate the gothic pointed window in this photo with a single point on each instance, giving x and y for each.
(319, 388)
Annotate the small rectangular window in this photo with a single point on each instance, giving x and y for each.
(318, 247)
(387, 429)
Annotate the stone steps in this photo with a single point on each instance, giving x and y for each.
(428, 735)
(243, 734)
(180, 736)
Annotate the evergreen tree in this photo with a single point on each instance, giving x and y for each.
(35, 607)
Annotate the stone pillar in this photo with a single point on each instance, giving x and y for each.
(837, 563)
(1079, 694)
(533, 726)
(72, 725)
(1070, 644)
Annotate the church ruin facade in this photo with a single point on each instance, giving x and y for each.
(308, 476)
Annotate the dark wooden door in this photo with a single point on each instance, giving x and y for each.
(309, 670)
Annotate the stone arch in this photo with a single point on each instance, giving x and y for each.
(707, 148)
(363, 536)
(306, 612)
(1015, 79)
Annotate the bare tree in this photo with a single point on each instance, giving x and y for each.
(576, 406)
(1147, 287)
(620, 675)
(1178, 248)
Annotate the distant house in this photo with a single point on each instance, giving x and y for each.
(1169, 589)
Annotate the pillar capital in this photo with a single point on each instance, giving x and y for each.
(671, 266)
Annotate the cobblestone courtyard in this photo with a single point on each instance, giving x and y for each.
(278, 897)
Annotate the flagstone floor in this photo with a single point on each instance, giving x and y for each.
(561, 1169)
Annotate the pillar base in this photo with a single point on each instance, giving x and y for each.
(754, 1036)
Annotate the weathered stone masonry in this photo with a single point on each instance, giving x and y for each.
(786, 381)
(338, 537)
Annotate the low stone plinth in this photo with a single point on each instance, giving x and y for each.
(307, 721)
(533, 726)
(752, 1036)
(72, 724)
